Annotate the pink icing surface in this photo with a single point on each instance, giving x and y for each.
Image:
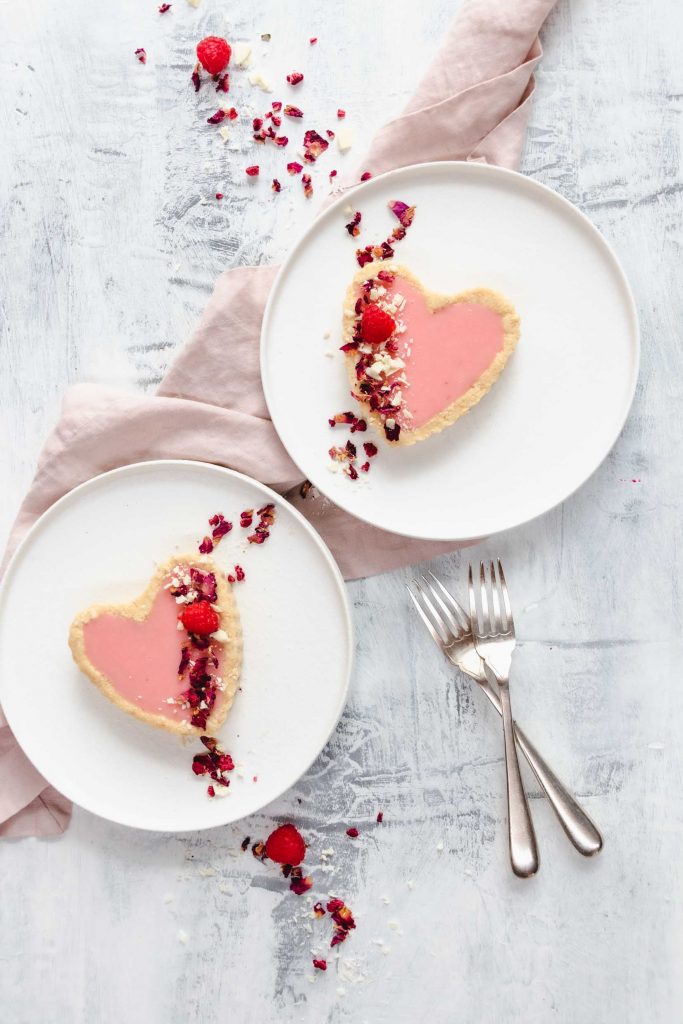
(444, 352)
(141, 659)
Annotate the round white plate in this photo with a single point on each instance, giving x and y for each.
(100, 543)
(556, 410)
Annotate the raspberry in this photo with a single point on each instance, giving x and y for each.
(376, 325)
(214, 54)
(286, 845)
(200, 619)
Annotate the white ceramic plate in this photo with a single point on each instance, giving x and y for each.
(100, 543)
(554, 413)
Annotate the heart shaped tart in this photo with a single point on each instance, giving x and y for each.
(172, 657)
(419, 360)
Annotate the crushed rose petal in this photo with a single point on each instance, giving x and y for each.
(245, 843)
(300, 883)
(294, 167)
(314, 145)
(219, 195)
(246, 518)
(313, 40)
(332, 174)
(318, 909)
(353, 227)
(352, 833)
(252, 171)
(343, 921)
(320, 965)
(164, 8)
(262, 530)
(216, 118)
(365, 176)
(206, 546)
(141, 54)
(305, 488)
(196, 80)
(276, 186)
(215, 764)
(295, 77)
(329, 133)
(370, 449)
(259, 851)
(291, 111)
(223, 84)
(402, 212)
(341, 114)
(380, 817)
(308, 187)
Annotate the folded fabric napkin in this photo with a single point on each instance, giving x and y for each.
(473, 104)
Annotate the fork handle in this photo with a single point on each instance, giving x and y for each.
(523, 848)
(574, 820)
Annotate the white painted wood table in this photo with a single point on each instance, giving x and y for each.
(111, 239)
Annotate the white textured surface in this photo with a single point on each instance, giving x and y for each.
(108, 256)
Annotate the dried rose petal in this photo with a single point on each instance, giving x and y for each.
(313, 40)
(360, 425)
(314, 145)
(295, 77)
(232, 114)
(239, 573)
(329, 133)
(334, 904)
(206, 546)
(365, 468)
(257, 123)
(164, 8)
(370, 449)
(318, 909)
(276, 186)
(291, 111)
(141, 54)
(276, 105)
(196, 80)
(300, 885)
(308, 187)
(217, 117)
(380, 817)
(259, 851)
(305, 488)
(245, 843)
(223, 84)
(219, 195)
(352, 833)
(341, 114)
(252, 171)
(332, 174)
(353, 228)
(281, 140)
(246, 518)
(209, 789)
(402, 212)
(342, 417)
(351, 471)
(320, 965)
(365, 176)
(363, 257)
(294, 167)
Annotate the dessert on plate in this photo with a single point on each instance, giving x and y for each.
(171, 657)
(419, 360)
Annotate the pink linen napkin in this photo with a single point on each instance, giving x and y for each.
(473, 104)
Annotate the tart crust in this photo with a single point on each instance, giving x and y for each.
(139, 610)
(434, 301)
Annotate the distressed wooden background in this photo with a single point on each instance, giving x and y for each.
(111, 239)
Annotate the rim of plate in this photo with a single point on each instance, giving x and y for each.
(474, 169)
(133, 467)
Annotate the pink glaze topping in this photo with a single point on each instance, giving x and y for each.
(141, 659)
(444, 352)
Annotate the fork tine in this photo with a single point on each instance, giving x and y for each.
(487, 624)
(450, 618)
(456, 608)
(474, 615)
(496, 618)
(506, 597)
(420, 611)
(437, 622)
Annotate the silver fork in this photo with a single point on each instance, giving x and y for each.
(494, 638)
(449, 626)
